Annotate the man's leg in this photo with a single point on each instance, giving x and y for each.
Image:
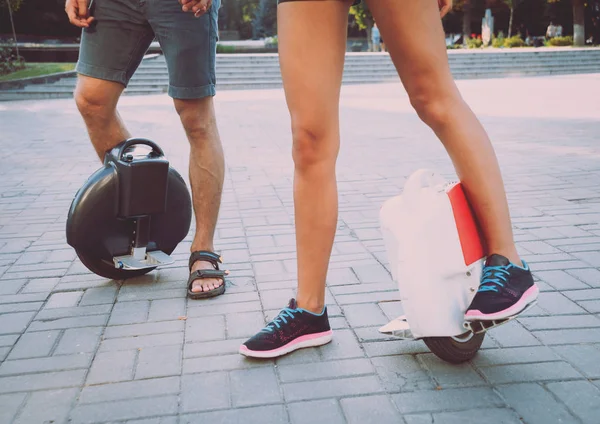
(97, 100)
(206, 177)
(189, 46)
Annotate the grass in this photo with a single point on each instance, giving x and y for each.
(38, 69)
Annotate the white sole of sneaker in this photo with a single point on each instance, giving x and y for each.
(528, 297)
(312, 340)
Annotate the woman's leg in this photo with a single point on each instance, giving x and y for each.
(415, 40)
(312, 45)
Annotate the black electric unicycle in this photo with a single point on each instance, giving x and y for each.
(130, 214)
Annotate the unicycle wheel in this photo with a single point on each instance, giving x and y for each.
(107, 269)
(455, 349)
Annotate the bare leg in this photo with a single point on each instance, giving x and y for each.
(206, 176)
(415, 40)
(97, 100)
(312, 39)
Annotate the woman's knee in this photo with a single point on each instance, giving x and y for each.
(313, 144)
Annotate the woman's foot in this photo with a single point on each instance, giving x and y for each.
(505, 290)
(294, 328)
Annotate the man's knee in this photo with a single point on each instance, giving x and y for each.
(197, 117)
(96, 99)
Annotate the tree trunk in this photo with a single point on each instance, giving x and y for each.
(578, 23)
(510, 22)
(13, 28)
(467, 21)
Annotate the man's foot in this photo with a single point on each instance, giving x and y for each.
(292, 329)
(206, 279)
(505, 290)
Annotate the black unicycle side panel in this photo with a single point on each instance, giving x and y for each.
(101, 223)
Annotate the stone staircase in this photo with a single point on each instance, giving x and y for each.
(251, 71)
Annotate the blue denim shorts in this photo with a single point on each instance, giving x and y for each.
(114, 45)
(355, 3)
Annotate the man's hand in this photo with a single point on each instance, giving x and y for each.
(197, 7)
(445, 7)
(77, 10)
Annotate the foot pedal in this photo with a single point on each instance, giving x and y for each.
(149, 260)
(478, 327)
(398, 328)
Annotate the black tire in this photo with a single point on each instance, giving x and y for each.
(455, 349)
(107, 270)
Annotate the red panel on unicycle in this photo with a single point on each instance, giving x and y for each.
(469, 233)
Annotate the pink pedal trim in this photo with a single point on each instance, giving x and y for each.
(529, 296)
(285, 348)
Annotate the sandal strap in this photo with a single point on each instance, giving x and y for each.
(205, 255)
(206, 273)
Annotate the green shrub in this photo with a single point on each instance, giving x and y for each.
(225, 49)
(9, 62)
(474, 43)
(272, 42)
(561, 41)
(514, 41)
(454, 47)
(498, 41)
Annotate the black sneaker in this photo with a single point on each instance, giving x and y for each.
(505, 291)
(294, 328)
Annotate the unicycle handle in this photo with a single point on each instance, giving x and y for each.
(134, 141)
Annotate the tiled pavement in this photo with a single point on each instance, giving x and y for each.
(78, 348)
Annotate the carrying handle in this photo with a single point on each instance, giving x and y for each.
(134, 141)
(423, 178)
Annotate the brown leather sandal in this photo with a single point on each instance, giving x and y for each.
(215, 260)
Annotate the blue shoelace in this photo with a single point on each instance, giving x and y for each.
(282, 318)
(493, 278)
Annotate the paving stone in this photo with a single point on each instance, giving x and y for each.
(590, 276)
(515, 355)
(451, 375)
(244, 324)
(111, 367)
(581, 397)
(21, 298)
(556, 303)
(401, 373)
(446, 400)
(205, 329)
(327, 411)
(54, 363)
(331, 388)
(80, 311)
(41, 381)
(218, 347)
(582, 357)
(394, 347)
(15, 323)
(205, 392)
(513, 334)
(561, 280)
(99, 296)
(273, 414)
(535, 405)
(323, 370)
(559, 322)
(141, 342)
(232, 308)
(572, 336)
(143, 329)
(129, 312)
(20, 307)
(64, 300)
(254, 387)
(220, 363)
(123, 410)
(66, 323)
(370, 409)
(9, 406)
(159, 361)
(11, 286)
(40, 285)
(79, 340)
(474, 416)
(9, 340)
(519, 373)
(166, 309)
(37, 344)
(364, 315)
(343, 345)
(130, 390)
(47, 407)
